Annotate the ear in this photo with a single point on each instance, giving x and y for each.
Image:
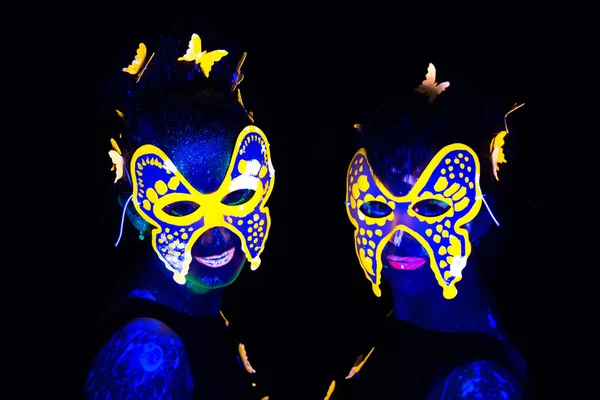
(133, 217)
(141, 226)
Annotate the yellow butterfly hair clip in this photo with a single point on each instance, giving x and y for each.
(223, 315)
(429, 87)
(238, 76)
(139, 64)
(244, 357)
(496, 150)
(117, 160)
(249, 114)
(204, 58)
(358, 364)
(330, 390)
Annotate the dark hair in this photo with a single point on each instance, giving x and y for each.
(173, 100)
(174, 103)
(404, 133)
(175, 97)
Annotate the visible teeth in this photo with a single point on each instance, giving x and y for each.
(216, 261)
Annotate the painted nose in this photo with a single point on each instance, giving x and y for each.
(215, 237)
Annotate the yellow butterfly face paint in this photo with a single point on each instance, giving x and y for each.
(159, 187)
(451, 178)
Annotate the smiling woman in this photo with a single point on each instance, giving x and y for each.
(414, 198)
(193, 175)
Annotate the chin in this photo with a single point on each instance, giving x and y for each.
(217, 271)
(407, 267)
(216, 263)
(409, 282)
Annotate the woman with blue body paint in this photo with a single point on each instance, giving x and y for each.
(414, 197)
(193, 175)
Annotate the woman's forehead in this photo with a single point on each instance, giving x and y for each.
(399, 185)
(202, 161)
(399, 180)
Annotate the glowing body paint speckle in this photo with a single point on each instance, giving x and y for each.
(142, 294)
(145, 359)
(481, 380)
(491, 320)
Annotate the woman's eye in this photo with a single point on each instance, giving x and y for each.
(375, 209)
(181, 208)
(238, 197)
(431, 207)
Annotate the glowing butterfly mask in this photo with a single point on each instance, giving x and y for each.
(158, 184)
(452, 177)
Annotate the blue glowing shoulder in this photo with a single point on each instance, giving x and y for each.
(481, 380)
(143, 360)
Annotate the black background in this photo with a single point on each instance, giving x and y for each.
(307, 82)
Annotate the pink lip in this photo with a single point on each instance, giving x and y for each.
(405, 263)
(218, 260)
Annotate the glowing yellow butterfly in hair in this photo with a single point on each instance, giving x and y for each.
(205, 59)
(429, 86)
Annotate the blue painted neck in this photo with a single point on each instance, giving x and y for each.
(469, 311)
(158, 285)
